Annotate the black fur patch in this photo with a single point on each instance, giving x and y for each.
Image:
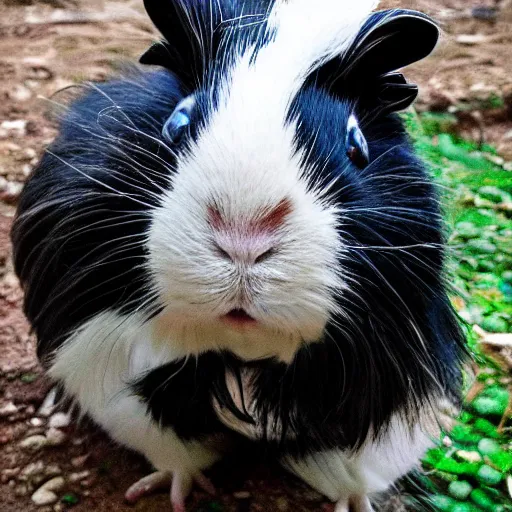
(83, 215)
(329, 396)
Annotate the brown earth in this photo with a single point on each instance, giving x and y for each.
(47, 46)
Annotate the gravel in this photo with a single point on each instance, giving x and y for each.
(47, 493)
(34, 443)
(8, 410)
(55, 437)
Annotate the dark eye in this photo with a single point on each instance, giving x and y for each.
(357, 147)
(178, 124)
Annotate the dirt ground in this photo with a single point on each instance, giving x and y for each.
(47, 46)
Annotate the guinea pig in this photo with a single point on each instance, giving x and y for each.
(238, 240)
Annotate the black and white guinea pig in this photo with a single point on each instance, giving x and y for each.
(241, 242)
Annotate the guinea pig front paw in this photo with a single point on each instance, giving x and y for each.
(180, 485)
(354, 504)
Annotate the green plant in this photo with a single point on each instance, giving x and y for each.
(471, 470)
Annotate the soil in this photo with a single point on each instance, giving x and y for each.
(45, 47)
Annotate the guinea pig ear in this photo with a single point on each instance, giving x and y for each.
(390, 40)
(367, 71)
(188, 28)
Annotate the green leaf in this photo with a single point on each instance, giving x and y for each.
(482, 499)
(494, 323)
(460, 489)
(464, 507)
(488, 475)
(442, 502)
(28, 378)
(70, 499)
(502, 460)
(487, 406)
(458, 468)
(464, 434)
(487, 428)
(488, 446)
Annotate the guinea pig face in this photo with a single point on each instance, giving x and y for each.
(244, 248)
(278, 153)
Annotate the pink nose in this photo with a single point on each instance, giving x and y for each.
(248, 241)
(244, 249)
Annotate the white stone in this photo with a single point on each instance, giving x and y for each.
(8, 474)
(469, 456)
(55, 484)
(8, 410)
(59, 420)
(34, 443)
(21, 93)
(77, 477)
(36, 422)
(447, 441)
(52, 470)
(242, 495)
(78, 462)
(44, 497)
(16, 128)
(46, 494)
(33, 469)
(55, 437)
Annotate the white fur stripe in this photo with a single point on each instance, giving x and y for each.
(312, 32)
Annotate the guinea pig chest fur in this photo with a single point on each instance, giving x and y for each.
(236, 240)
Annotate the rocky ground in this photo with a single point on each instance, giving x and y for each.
(49, 463)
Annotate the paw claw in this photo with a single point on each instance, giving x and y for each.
(180, 486)
(147, 485)
(354, 504)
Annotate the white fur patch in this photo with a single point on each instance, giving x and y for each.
(96, 366)
(245, 162)
(374, 468)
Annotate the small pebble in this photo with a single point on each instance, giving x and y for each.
(88, 482)
(21, 490)
(44, 497)
(8, 410)
(77, 477)
(78, 462)
(16, 128)
(447, 441)
(34, 443)
(46, 494)
(469, 456)
(58, 507)
(10, 190)
(36, 422)
(59, 420)
(33, 469)
(242, 495)
(8, 474)
(281, 504)
(52, 470)
(55, 437)
(20, 93)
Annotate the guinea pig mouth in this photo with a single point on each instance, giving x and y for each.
(239, 317)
